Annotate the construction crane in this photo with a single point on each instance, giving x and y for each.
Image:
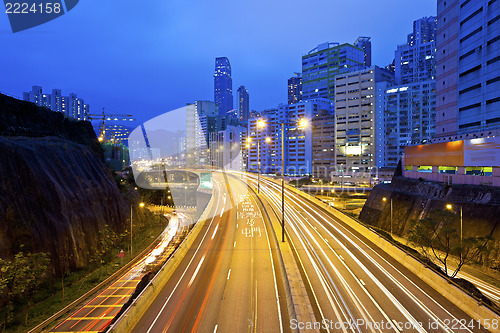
(108, 117)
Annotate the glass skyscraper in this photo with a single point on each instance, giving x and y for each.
(223, 85)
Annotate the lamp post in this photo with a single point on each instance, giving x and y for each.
(385, 199)
(450, 207)
(302, 124)
(132, 205)
(260, 124)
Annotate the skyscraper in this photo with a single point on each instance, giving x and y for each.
(223, 85)
(323, 63)
(468, 66)
(243, 104)
(415, 61)
(295, 88)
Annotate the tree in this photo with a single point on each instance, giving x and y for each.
(19, 279)
(437, 237)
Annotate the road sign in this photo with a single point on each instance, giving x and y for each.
(121, 254)
(206, 180)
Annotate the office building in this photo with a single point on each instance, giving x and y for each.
(359, 95)
(301, 144)
(409, 118)
(295, 88)
(323, 63)
(223, 85)
(71, 105)
(468, 67)
(243, 105)
(416, 60)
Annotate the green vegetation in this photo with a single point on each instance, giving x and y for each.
(437, 237)
(27, 289)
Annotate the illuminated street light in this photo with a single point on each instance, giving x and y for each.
(450, 207)
(385, 199)
(268, 140)
(131, 220)
(302, 124)
(261, 123)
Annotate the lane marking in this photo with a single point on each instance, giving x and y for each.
(228, 274)
(221, 211)
(196, 271)
(234, 245)
(215, 328)
(396, 325)
(90, 318)
(362, 282)
(236, 225)
(215, 231)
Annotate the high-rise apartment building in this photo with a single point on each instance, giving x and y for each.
(71, 105)
(196, 131)
(365, 44)
(223, 85)
(424, 31)
(302, 145)
(295, 88)
(243, 105)
(409, 118)
(358, 97)
(228, 148)
(468, 66)
(416, 60)
(323, 63)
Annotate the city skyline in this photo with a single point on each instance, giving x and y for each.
(140, 78)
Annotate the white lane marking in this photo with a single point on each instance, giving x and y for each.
(274, 274)
(234, 245)
(396, 325)
(228, 274)
(221, 212)
(196, 271)
(362, 282)
(215, 231)
(184, 273)
(215, 328)
(236, 225)
(341, 258)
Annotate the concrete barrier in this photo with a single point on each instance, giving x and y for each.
(457, 296)
(140, 305)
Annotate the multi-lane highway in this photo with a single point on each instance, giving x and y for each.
(229, 280)
(349, 280)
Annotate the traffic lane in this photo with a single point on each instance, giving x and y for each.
(365, 298)
(427, 305)
(252, 300)
(161, 307)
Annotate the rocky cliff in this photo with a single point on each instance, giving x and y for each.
(56, 192)
(414, 199)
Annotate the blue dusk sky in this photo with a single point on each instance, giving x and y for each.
(149, 57)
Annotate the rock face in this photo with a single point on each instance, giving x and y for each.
(413, 200)
(57, 193)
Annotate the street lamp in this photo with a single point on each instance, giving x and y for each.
(385, 199)
(303, 123)
(131, 219)
(450, 207)
(260, 124)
